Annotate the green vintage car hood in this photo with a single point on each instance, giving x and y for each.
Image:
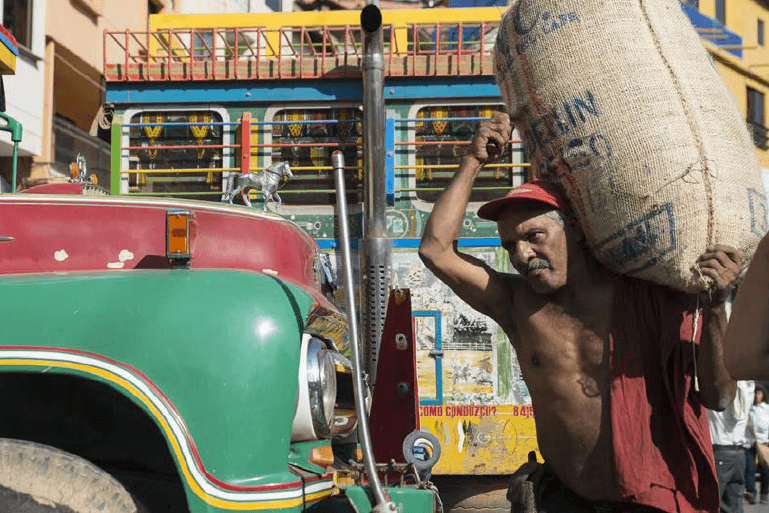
(212, 355)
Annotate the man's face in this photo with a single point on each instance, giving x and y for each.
(537, 242)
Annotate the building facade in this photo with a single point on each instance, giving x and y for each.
(735, 33)
(57, 91)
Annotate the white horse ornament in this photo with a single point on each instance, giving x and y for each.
(269, 181)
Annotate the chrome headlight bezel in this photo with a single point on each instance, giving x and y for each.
(316, 395)
(321, 384)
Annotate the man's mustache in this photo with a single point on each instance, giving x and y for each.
(537, 263)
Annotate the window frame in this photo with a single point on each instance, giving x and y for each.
(269, 116)
(756, 125)
(414, 108)
(125, 158)
(720, 5)
(30, 28)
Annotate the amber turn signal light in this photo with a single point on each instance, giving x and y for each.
(322, 456)
(178, 234)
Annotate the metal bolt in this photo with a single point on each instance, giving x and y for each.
(401, 342)
(402, 387)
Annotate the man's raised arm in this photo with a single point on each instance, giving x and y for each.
(717, 387)
(476, 283)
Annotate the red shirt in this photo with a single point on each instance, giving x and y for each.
(662, 450)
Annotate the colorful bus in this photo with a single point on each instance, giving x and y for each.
(199, 99)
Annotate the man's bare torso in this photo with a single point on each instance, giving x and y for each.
(564, 358)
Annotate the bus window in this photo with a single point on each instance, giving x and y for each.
(186, 171)
(306, 138)
(441, 141)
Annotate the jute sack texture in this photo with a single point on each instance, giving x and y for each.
(619, 103)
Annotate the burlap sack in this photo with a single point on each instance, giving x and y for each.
(619, 102)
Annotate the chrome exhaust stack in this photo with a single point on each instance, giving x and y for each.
(376, 247)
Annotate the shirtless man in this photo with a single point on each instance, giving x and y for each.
(582, 335)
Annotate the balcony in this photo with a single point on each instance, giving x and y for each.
(759, 133)
(713, 31)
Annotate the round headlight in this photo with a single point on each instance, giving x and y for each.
(321, 384)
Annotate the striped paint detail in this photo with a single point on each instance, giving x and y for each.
(205, 486)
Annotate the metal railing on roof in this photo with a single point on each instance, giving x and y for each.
(235, 53)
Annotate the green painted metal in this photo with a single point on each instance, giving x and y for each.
(223, 346)
(406, 499)
(115, 136)
(299, 455)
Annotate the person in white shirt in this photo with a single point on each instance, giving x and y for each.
(727, 432)
(758, 432)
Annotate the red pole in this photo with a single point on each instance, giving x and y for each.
(126, 54)
(258, 51)
(346, 46)
(392, 45)
(213, 52)
(437, 47)
(301, 53)
(245, 143)
(104, 53)
(459, 46)
(483, 42)
(280, 52)
(192, 52)
(237, 44)
(168, 55)
(148, 76)
(323, 58)
(414, 52)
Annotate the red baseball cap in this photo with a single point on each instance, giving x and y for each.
(538, 191)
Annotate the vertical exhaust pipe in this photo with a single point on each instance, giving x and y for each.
(364, 436)
(376, 247)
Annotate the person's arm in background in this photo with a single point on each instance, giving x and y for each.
(717, 388)
(470, 278)
(746, 343)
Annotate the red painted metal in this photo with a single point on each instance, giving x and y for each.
(147, 68)
(55, 188)
(460, 44)
(80, 233)
(168, 54)
(237, 52)
(396, 386)
(125, 70)
(483, 38)
(245, 141)
(192, 55)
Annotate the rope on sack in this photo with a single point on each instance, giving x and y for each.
(694, 349)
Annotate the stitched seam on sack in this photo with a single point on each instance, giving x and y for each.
(692, 125)
(537, 108)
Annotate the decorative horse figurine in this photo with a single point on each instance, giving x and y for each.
(269, 181)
